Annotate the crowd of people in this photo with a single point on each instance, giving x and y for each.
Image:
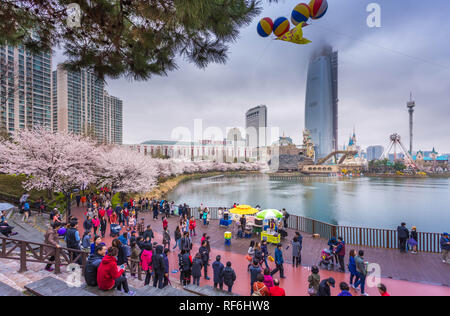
(134, 247)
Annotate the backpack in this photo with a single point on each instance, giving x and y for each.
(185, 262)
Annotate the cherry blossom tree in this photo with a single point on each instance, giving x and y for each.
(125, 171)
(56, 162)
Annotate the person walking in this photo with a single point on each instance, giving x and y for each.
(185, 243)
(87, 224)
(103, 226)
(218, 267)
(52, 240)
(265, 253)
(229, 276)
(177, 236)
(314, 281)
(185, 263)
(445, 246)
(403, 235)
(279, 262)
(362, 272)
(251, 254)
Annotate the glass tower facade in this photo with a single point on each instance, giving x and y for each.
(321, 105)
(25, 89)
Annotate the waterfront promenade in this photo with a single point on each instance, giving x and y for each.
(404, 274)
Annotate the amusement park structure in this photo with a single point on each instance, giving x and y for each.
(394, 142)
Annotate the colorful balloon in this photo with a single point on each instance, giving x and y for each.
(318, 8)
(281, 26)
(265, 27)
(301, 13)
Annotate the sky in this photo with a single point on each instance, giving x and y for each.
(378, 68)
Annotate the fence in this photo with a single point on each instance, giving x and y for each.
(358, 236)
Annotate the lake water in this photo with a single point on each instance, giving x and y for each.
(361, 202)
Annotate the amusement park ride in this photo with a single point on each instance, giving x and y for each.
(395, 141)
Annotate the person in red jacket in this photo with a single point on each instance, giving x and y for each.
(383, 290)
(110, 276)
(276, 290)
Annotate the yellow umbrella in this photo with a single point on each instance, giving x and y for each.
(244, 210)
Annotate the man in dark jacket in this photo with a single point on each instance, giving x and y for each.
(72, 239)
(185, 242)
(185, 263)
(166, 268)
(324, 287)
(94, 260)
(255, 270)
(205, 258)
(403, 235)
(148, 235)
(87, 225)
(229, 276)
(159, 268)
(340, 252)
(218, 269)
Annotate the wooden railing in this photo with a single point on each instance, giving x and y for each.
(358, 236)
(26, 251)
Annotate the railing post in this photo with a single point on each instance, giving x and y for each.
(57, 260)
(333, 231)
(313, 227)
(23, 256)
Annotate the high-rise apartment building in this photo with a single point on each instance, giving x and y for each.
(82, 106)
(374, 152)
(321, 105)
(256, 126)
(25, 89)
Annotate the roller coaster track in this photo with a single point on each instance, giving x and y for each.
(345, 153)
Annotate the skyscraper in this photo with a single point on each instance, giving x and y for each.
(82, 106)
(25, 89)
(374, 152)
(321, 104)
(256, 126)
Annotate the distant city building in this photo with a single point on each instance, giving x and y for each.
(321, 104)
(220, 151)
(256, 127)
(25, 89)
(374, 152)
(82, 106)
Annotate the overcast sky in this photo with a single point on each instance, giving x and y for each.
(378, 67)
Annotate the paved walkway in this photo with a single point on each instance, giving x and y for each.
(403, 274)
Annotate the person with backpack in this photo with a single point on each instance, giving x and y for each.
(72, 239)
(146, 262)
(205, 257)
(218, 267)
(259, 288)
(93, 262)
(229, 276)
(295, 252)
(255, 270)
(185, 264)
(197, 266)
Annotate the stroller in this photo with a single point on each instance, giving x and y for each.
(115, 230)
(326, 259)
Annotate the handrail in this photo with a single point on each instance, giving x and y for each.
(358, 236)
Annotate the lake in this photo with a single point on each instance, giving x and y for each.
(361, 202)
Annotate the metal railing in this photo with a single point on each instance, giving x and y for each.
(358, 236)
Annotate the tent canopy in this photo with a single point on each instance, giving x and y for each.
(244, 210)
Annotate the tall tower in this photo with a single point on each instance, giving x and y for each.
(411, 104)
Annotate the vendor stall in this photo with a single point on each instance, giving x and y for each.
(271, 237)
(270, 220)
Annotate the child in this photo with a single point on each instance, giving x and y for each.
(192, 225)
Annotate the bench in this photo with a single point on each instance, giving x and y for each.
(6, 290)
(207, 291)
